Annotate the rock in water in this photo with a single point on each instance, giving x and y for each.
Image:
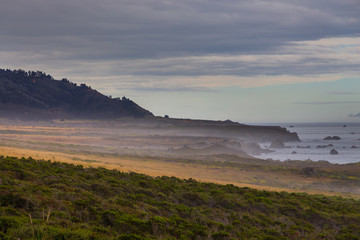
(332, 138)
(308, 146)
(334, 152)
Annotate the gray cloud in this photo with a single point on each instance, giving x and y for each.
(168, 89)
(344, 93)
(151, 28)
(177, 38)
(329, 102)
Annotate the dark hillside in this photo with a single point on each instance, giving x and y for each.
(51, 200)
(37, 95)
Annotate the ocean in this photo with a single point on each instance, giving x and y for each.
(314, 147)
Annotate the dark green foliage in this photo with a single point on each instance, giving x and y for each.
(7, 223)
(37, 95)
(51, 200)
(130, 237)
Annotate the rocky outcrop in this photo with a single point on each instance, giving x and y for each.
(334, 152)
(336, 138)
(325, 146)
(298, 146)
(224, 129)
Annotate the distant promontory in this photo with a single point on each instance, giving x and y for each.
(36, 95)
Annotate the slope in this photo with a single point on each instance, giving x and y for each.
(37, 95)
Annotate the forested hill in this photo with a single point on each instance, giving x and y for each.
(38, 95)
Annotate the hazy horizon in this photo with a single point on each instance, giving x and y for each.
(247, 61)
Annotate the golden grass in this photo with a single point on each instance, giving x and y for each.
(156, 168)
(53, 143)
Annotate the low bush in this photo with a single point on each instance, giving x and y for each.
(51, 200)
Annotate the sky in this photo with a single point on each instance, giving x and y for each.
(252, 61)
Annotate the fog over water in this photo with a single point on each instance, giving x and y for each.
(314, 147)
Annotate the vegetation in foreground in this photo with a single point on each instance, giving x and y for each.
(52, 200)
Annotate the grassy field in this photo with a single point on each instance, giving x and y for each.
(52, 200)
(144, 151)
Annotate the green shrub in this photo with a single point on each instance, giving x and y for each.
(7, 223)
(99, 204)
(130, 236)
(222, 235)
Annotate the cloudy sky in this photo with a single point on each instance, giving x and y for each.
(244, 60)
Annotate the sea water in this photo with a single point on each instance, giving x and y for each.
(312, 136)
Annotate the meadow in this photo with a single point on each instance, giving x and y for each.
(140, 149)
(53, 200)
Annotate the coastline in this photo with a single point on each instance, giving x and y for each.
(144, 148)
(317, 143)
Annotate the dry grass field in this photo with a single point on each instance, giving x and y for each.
(141, 150)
